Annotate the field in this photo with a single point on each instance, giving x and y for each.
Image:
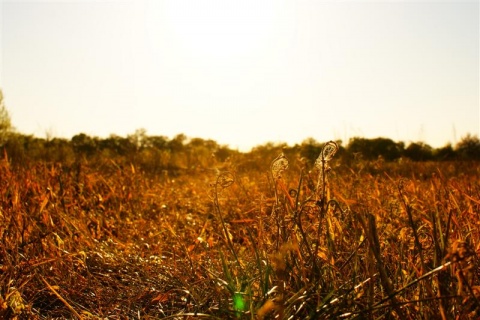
(246, 238)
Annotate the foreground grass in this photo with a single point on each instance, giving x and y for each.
(364, 241)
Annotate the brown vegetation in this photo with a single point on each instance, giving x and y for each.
(245, 237)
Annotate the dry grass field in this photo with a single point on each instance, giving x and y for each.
(276, 238)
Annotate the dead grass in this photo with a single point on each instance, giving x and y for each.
(372, 241)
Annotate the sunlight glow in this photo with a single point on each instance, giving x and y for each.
(243, 72)
(219, 30)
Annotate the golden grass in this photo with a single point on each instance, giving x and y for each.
(106, 240)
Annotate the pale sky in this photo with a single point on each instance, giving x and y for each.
(243, 72)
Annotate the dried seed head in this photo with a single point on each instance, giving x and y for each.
(279, 165)
(225, 179)
(328, 151)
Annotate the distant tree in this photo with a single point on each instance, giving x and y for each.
(260, 157)
(116, 145)
(469, 148)
(177, 158)
(22, 149)
(419, 151)
(58, 150)
(138, 139)
(84, 144)
(445, 153)
(200, 152)
(223, 153)
(16, 148)
(177, 143)
(371, 149)
(6, 127)
(310, 149)
(157, 142)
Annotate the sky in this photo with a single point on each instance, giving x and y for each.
(243, 73)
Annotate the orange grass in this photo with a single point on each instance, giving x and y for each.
(106, 240)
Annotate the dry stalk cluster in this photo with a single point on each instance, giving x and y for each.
(320, 240)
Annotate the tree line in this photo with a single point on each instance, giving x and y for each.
(157, 153)
(181, 151)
